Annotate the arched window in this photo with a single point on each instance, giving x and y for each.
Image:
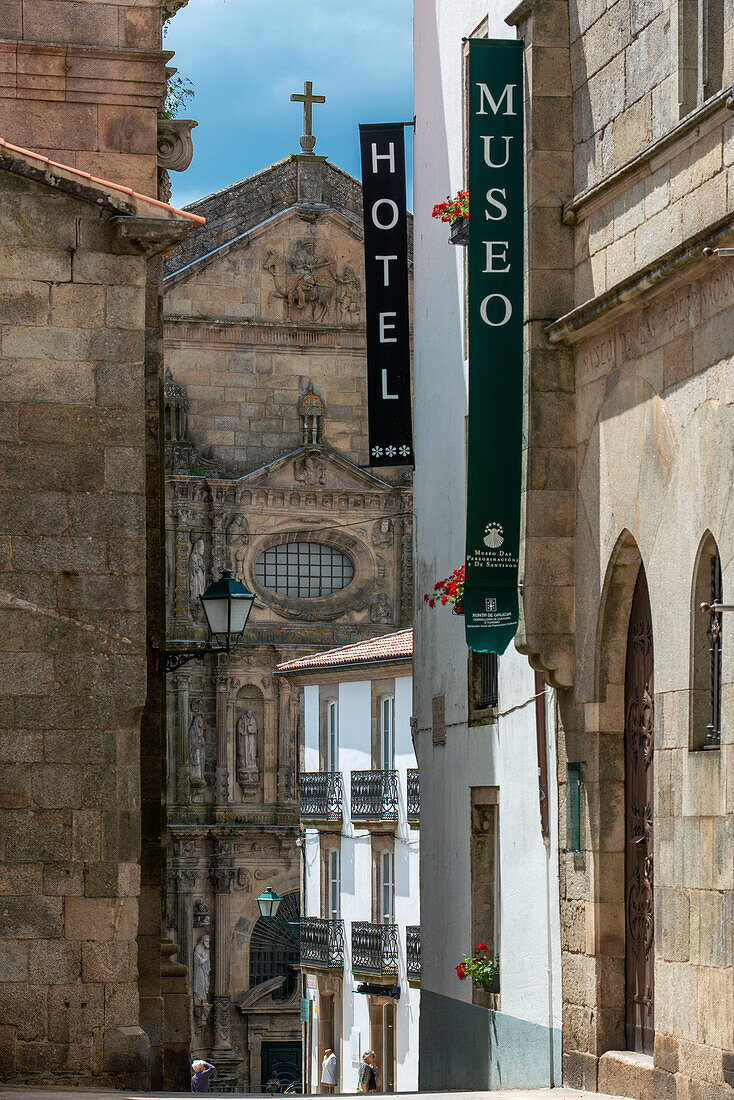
(275, 949)
(706, 650)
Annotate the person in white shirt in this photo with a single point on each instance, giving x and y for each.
(328, 1071)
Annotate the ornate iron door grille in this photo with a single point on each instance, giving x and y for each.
(414, 794)
(713, 730)
(322, 943)
(639, 802)
(321, 795)
(375, 795)
(374, 948)
(413, 950)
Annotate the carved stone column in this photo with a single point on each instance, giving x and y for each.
(270, 752)
(185, 883)
(183, 684)
(222, 874)
(182, 516)
(221, 788)
(219, 542)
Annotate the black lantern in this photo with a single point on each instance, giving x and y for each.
(227, 605)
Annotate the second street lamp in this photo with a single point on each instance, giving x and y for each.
(227, 605)
(269, 903)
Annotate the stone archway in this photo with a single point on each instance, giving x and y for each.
(639, 804)
(610, 828)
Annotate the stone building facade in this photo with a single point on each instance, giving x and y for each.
(627, 508)
(268, 475)
(88, 994)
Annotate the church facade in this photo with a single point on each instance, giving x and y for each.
(267, 475)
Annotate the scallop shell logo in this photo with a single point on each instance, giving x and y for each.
(493, 535)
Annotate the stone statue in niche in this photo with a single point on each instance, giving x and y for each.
(197, 575)
(202, 970)
(381, 608)
(382, 533)
(238, 536)
(196, 750)
(309, 470)
(247, 771)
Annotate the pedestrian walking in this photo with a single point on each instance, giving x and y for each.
(372, 1078)
(201, 1073)
(328, 1071)
(366, 1075)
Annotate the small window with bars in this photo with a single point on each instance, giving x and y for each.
(305, 570)
(483, 686)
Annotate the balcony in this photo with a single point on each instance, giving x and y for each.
(413, 952)
(414, 796)
(374, 948)
(322, 943)
(375, 796)
(321, 796)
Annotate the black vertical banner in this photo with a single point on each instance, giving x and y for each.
(386, 288)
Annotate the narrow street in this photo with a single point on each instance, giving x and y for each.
(11, 1093)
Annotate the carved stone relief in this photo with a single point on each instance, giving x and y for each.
(197, 576)
(238, 537)
(311, 286)
(249, 739)
(196, 749)
(201, 978)
(309, 470)
(381, 608)
(382, 533)
(202, 917)
(243, 881)
(246, 733)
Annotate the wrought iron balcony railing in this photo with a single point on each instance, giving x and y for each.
(375, 796)
(414, 795)
(322, 943)
(374, 948)
(321, 796)
(413, 950)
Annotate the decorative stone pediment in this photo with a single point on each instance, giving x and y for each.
(314, 468)
(282, 271)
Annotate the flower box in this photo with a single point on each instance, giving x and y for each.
(459, 232)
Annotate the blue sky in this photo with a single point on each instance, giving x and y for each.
(245, 58)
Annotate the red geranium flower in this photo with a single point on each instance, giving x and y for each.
(481, 947)
(461, 972)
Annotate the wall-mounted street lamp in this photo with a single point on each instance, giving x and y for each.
(227, 605)
(269, 903)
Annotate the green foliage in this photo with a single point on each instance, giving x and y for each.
(179, 91)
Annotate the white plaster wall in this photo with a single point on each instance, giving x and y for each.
(355, 754)
(503, 754)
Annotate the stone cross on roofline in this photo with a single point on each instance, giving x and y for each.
(307, 139)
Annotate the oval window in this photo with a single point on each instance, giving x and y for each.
(304, 569)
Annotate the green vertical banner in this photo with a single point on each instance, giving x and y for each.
(495, 307)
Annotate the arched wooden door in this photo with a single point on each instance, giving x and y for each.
(639, 802)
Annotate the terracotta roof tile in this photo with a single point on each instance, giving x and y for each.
(389, 647)
(103, 183)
